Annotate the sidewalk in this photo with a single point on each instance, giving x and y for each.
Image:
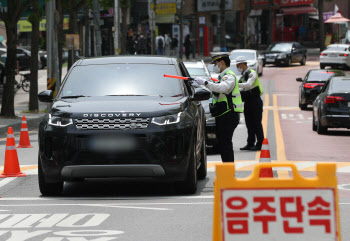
(22, 105)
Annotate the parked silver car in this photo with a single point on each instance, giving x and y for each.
(335, 55)
(255, 61)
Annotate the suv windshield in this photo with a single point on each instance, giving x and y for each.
(281, 47)
(320, 75)
(122, 79)
(247, 55)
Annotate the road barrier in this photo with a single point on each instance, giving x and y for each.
(265, 209)
(11, 164)
(265, 157)
(24, 141)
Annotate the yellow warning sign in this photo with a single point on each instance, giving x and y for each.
(266, 209)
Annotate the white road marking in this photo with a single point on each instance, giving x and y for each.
(284, 116)
(6, 181)
(300, 116)
(100, 198)
(291, 115)
(344, 169)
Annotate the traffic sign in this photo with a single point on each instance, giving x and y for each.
(268, 209)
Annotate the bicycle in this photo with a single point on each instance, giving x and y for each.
(25, 82)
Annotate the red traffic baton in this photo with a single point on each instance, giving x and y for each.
(184, 78)
(177, 77)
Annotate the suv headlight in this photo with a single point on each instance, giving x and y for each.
(59, 121)
(167, 120)
(282, 56)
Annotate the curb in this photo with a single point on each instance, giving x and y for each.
(32, 123)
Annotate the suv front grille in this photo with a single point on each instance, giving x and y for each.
(111, 124)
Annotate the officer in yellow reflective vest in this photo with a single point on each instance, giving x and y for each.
(226, 106)
(251, 91)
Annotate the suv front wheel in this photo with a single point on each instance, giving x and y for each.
(48, 189)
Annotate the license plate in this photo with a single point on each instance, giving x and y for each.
(112, 144)
(270, 60)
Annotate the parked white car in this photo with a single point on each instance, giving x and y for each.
(335, 55)
(255, 61)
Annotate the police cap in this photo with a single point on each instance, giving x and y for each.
(218, 57)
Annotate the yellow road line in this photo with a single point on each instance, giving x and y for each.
(264, 121)
(281, 154)
(4, 139)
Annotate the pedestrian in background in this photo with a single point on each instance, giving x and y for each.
(226, 106)
(167, 41)
(174, 46)
(160, 43)
(141, 45)
(130, 44)
(251, 90)
(148, 44)
(187, 45)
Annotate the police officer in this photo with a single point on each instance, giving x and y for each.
(251, 91)
(226, 106)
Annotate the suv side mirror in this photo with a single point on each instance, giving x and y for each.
(46, 96)
(299, 79)
(200, 94)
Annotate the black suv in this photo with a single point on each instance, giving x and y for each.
(120, 117)
(285, 53)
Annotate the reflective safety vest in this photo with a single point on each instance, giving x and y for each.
(236, 98)
(256, 82)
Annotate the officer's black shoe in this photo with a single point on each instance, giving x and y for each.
(256, 148)
(246, 148)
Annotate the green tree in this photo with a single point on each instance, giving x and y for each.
(73, 6)
(15, 9)
(34, 19)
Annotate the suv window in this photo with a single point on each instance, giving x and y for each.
(122, 79)
(320, 75)
(340, 85)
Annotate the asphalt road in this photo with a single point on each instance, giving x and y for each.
(122, 209)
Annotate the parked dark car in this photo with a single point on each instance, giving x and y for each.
(312, 84)
(119, 117)
(331, 109)
(285, 53)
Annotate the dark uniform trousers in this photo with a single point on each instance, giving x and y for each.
(253, 109)
(225, 126)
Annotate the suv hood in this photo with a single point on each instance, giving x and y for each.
(119, 106)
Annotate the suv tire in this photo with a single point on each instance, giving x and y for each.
(48, 189)
(302, 106)
(202, 171)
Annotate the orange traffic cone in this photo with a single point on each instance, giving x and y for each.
(265, 157)
(24, 138)
(11, 166)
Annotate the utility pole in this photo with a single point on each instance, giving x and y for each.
(52, 18)
(116, 27)
(152, 25)
(96, 7)
(181, 30)
(153, 34)
(246, 26)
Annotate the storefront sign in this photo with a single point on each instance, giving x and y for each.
(212, 5)
(3, 6)
(26, 26)
(165, 8)
(262, 2)
(296, 2)
(327, 15)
